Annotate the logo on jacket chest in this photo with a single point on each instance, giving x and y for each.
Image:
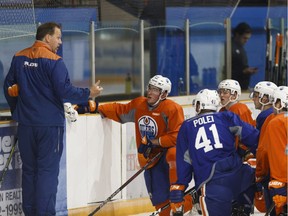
(148, 127)
(30, 64)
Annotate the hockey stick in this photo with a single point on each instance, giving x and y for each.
(194, 195)
(269, 38)
(285, 55)
(127, 182)
(280, 61)
(270, 209)
(8, 162)
(283, 66)
(268, 50)
(277, 57)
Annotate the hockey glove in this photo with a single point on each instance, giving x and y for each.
(278, 190)
(13, 91)
(244, 152)
(89, 107)
(146, 147)
(248, 155)
(70, 113)
(177, 200)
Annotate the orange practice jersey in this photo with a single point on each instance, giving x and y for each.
(162, 122)
(242, 111)
(262, 166)
(276, 147)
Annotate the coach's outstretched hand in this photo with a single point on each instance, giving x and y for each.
(95, 89)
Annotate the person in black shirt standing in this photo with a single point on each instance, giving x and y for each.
(240, 68)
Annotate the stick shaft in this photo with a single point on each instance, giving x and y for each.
(168, 204)
(126, 183)
(270, 209)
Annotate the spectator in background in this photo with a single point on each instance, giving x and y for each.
(35, 88)
(240, 67)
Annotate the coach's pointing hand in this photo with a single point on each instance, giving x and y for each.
(95, 90)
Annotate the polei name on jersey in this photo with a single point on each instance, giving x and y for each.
(203, 120)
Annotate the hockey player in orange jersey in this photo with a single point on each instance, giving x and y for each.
(229, 91)
(262, 97)
(157, 122)
(275, 144)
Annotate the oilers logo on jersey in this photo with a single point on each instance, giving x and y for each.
(148, 127)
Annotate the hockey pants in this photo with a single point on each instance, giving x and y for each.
(158, 180)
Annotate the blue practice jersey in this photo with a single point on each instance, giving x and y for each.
(262, 117)
(206, 139)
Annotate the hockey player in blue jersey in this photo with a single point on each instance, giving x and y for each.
(262, 97)
(206, 150)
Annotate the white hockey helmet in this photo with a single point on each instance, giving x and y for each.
(281, 93)
(208, 100)
(232, 85)
(265, 88)
(161, 82)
